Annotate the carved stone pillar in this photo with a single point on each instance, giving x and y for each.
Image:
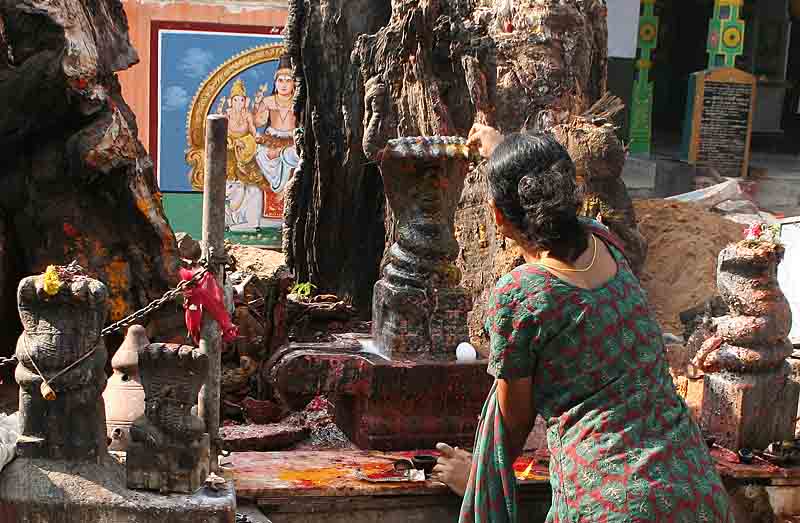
(418, 305)
(62, 313)
(748, 398)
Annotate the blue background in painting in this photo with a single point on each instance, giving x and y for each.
(186, 60)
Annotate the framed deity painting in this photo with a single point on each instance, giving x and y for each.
(239, 71)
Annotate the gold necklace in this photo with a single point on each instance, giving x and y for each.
(591, 264)
(288, 100)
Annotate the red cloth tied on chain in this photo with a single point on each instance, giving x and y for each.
(206, 296)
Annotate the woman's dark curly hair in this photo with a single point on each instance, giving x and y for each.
(532, 181)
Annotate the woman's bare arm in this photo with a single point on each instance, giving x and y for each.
(515, 398)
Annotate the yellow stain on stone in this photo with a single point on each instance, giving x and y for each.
(52, 283)
(309, 477)
(118, 283)
(144, 205)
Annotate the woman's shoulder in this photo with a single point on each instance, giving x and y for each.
(607, 235)
(593, 225)
(521, 281)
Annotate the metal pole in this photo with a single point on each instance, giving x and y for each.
(216, 159)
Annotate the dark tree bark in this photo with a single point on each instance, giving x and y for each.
(77, 183)
(379, 69)
(335, 205)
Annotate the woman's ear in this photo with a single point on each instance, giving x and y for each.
(500, 219)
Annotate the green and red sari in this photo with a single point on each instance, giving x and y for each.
(623, 445)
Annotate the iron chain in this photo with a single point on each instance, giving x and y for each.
(140, 314)
(154, 305)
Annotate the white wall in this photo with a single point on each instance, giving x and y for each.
(623, 28)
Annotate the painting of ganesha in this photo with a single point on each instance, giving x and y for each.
(261, 153)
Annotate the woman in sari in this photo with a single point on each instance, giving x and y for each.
(572, 339)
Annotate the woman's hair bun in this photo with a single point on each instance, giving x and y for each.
(532, 181)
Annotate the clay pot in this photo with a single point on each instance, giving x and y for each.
(124, 394)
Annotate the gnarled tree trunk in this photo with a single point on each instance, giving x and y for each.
(77, 184)
(378, 69)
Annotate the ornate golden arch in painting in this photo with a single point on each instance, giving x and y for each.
(208, 92)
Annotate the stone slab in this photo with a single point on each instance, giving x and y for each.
(34, 490)
(308, 474)
(321, 487)
(729, 467)
(277, 436)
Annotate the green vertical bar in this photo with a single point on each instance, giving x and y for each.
(725, 34)
(642, 99)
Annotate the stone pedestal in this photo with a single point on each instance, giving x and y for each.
(418, 305)
(172, 467)
(750, 410)
(381, 404)
(749, 398)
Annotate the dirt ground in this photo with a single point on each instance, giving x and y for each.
(684, 242)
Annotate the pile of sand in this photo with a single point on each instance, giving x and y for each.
(684, 242)
(256, 260)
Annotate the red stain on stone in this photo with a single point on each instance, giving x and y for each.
(70, 231)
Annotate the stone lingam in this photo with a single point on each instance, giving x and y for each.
(403, 388)
(418, 306)
(749, 400)
(63, 472)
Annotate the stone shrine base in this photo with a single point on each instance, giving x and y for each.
(749, 410)
(404, 403)
(36, 490)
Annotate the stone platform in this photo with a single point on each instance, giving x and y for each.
(34, 490)
(403, 403)
(322, 487)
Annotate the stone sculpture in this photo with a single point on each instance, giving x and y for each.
(63, 472)
(418, 305)
(61, 369)
(748, 398)
(169, 448)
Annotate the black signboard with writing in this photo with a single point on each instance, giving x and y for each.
(721, 111)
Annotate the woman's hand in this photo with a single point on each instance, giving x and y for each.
(452, 468)
(485, 138)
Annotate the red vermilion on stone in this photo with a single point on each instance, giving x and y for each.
(70, 231)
